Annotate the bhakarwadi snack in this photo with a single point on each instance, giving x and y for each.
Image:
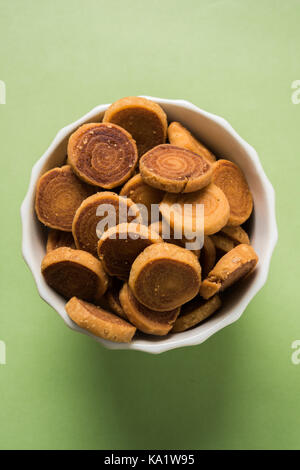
(57, 238)
(228, 176)
(181, 137)
(207, 256)
(141, 193)
(196, 311)
(143, 119)
(120, 245)
(236, 234)
(100, 207)
(165, 276)
(99, 322)
(175, 211)
(229, 269)
(102, 154)
(166, 233)
(222, 242)
(145, 319)
(175, 169)
(110, 300)
(58, 195)
(74, 273)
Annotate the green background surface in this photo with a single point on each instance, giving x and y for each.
(61, 58)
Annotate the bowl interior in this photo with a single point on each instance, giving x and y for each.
(218, 135)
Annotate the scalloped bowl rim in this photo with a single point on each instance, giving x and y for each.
(191, 337)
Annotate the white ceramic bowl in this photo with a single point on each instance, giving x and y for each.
(223, 140)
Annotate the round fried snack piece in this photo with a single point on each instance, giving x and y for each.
(236, 234)
(110, 300)
(120, 245)
(145, 120)
(222, 242)
(56, 239)
(229, 177)
(102, 154)
(145, 319)
(110, 207)
(175, 169)
(207, 256)
(99, 322)
(181, 137)
(141, 193)
(196, 311)
(180, 211)
(59, 193)
(230, 268)
(165, 276)
(74, 272)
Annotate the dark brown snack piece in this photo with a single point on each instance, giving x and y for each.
(207, 256)
(196, 311)
(120, 245)
(145, 319)
(143, 119)
(99, 322)
(59, 193)
(165, 276)
(95, 210)
(57, 238)
(74, 273)
(103, 155)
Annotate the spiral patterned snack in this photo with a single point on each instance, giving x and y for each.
(230, 268)
(164, 230)
(103, 155)
(164, 277)
(109, 206)
(181, 137)
(174, 169)
(143, 119)
(185, 218)
(58, 195)
(229, 177)
(74, 272)
(56, 239)
(145, 319)
(141, 193)
(120, 245)
(99, 322)
(207, 256)
(195, 312)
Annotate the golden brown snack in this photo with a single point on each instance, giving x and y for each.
(196, 311)
(207, 256)
(166, 233)
(120, 245)
(175, 169)
(145, 319)
(181, 137)
(103, 155)
(229, 177)
(110, 300)
(143, 119)
(57, 238)
(181, 217)
(165, 276)
(222, 242)
(236, 234)
(59, 193)
(74, 273)
(86, 220)
(230, 268)
(99, 322)
(141, 193)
